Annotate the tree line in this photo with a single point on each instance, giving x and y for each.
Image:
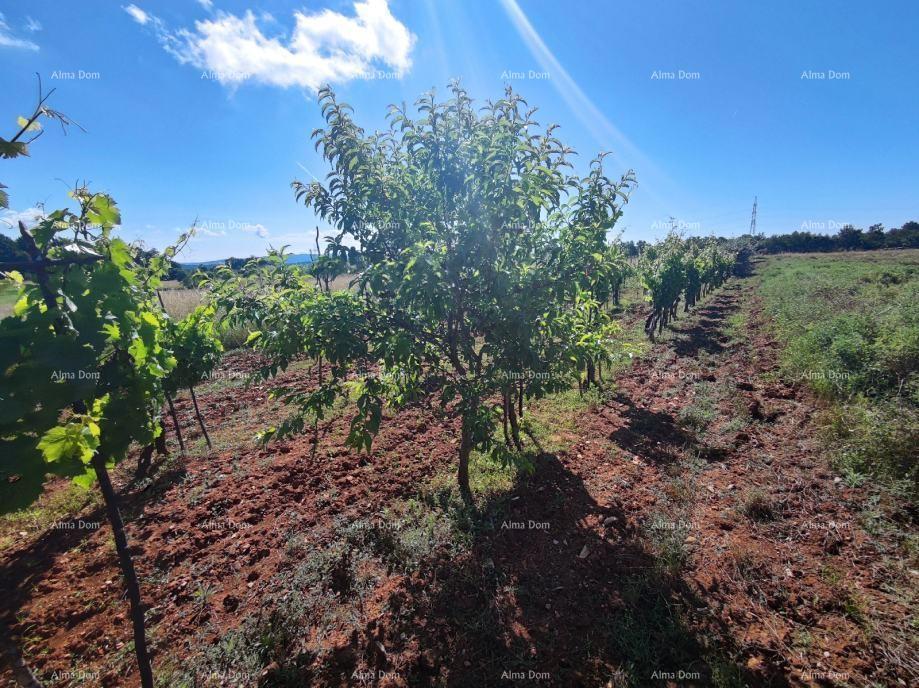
(848, 238)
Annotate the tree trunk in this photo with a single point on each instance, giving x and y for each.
(520, 401)
(159, 444)
(160, 441)
(505, 401)
(462, 474)
(194, 400)
(143, 462)
(127, 570)
(175, 421)
(515, 428)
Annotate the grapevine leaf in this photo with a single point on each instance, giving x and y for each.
(85, 479)
(21, 306)
(70, 441)
(12, 149)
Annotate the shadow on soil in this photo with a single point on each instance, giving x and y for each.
(26, 568)
(542, 599)
(653, 435)
(706, 335)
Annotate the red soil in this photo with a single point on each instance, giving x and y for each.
(779, 583)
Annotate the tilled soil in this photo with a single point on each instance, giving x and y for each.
(691, 533)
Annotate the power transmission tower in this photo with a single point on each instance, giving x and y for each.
(753, 219)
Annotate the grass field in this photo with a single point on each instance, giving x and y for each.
(849, 324)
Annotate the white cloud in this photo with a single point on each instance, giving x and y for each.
(219, 228)
(8, 40)
(207, 231)
(11, 217)
(32, 25)
(206, 4)
(326, 47)
(137, 14)
(258, 230)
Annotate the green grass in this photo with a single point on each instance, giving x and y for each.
(58, 506)
(849, 328)
(699, 414)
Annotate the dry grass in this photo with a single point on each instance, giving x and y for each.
(179, 302)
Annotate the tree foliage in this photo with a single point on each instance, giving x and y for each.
(82, 355)
(486, 267)
(676, 269)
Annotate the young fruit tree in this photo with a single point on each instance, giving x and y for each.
(195, 344)
(471, 235)
(82, 360)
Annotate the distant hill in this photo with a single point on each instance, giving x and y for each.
(293, 258)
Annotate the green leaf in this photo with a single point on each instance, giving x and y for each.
(21, 306)
(71, 441)
(112, 331)
(85, 480)
(138, 351)
(12, 149)
(104, 212)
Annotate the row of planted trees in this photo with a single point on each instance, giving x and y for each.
(681, 269)
(487, 278)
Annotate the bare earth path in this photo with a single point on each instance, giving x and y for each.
(692, 533)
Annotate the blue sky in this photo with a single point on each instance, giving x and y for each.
(203, 109)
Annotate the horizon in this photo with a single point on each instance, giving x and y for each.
(208, 117)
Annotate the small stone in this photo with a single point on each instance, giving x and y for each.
(584, 552)
(609, 520)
